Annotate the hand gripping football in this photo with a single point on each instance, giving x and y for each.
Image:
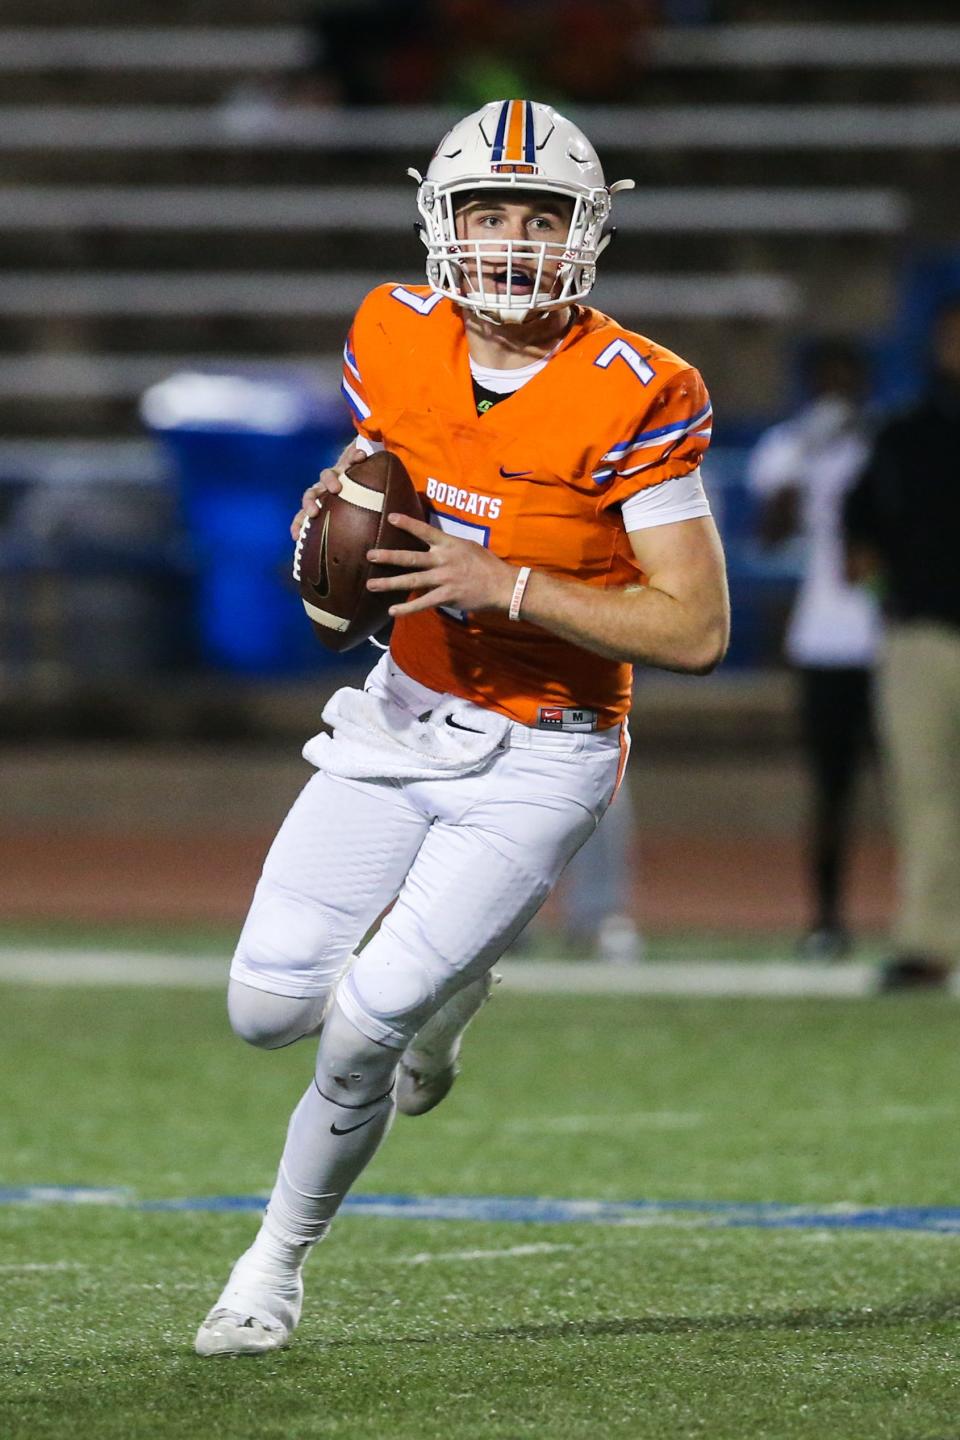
(330, 564)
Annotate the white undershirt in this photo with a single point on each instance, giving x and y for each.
(505, 382)
(683, 498)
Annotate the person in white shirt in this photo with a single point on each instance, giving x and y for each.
(800, 472)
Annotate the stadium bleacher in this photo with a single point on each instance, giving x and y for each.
(135, 196)
(163, 205)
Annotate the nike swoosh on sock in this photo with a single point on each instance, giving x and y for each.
(350, 1128)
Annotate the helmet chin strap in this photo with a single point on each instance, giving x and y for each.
(508, 317)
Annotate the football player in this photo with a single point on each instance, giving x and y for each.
(570, 538)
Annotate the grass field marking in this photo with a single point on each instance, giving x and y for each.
(511, 1252)
(37, 1267)
(585, 1124)
(95, 967)
(520, 1209)
(64, 1195)
(667, 1120)
(914, 1112)
(678, 978)
(699, 978)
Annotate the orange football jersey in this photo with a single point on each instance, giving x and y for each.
(538, 478)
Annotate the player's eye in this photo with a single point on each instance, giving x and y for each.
(546, 223)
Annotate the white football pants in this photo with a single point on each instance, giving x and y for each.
(467, 860)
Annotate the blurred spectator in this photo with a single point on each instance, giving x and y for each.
(902, 521)
(373, 52)
(452, 52)
(466, 52)
(595, 894)
(801, 471)
(690, 12)
(486, 51)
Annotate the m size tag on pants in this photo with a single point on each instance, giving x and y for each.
(554, 717)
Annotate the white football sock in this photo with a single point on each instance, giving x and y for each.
(327, 1147)
(333, 1134)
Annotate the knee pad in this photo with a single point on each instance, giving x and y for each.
(271, 1021)
(352, 1069)
(291, 943)
(387, 996)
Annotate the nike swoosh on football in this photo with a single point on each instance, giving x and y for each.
(469, 728)
(514, 474)
(350, 1128)
(322, 585)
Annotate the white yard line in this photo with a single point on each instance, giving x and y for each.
(427, 1257)
(106, 967)
(690, 977)
(617, 1124)
(698, 978)
(912, 1112)
(41, 1268)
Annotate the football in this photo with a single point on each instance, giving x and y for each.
(330, 565)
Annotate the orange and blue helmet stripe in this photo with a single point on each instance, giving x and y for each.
(514, 144)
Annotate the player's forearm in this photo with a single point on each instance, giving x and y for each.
(643, 625)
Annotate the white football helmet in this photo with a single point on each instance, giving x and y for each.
(522, 146)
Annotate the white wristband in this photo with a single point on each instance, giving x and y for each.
(517, 598)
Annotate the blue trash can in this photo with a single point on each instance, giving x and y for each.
(244, 447)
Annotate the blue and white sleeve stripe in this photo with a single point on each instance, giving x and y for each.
(658, 444)
(662, 435)
(350, 361)
(358, 405)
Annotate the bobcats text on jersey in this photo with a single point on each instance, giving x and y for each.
(469, 501)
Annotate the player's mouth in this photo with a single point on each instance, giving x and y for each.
(515, 282)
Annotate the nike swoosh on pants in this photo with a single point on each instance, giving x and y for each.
(456, 726)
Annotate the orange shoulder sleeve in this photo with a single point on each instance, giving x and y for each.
(667, 437)
(364, 362)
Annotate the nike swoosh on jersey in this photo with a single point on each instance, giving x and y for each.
(350, 1128)
(514, 474)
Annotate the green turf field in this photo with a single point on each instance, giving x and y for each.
(671, 1327)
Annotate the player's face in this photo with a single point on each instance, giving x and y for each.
(516, 245)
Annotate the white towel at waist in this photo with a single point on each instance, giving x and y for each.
(375, 739)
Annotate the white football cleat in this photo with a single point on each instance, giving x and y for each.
(227, 1332)
(419, 1090)
(257, 1312)
(429, 1066)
